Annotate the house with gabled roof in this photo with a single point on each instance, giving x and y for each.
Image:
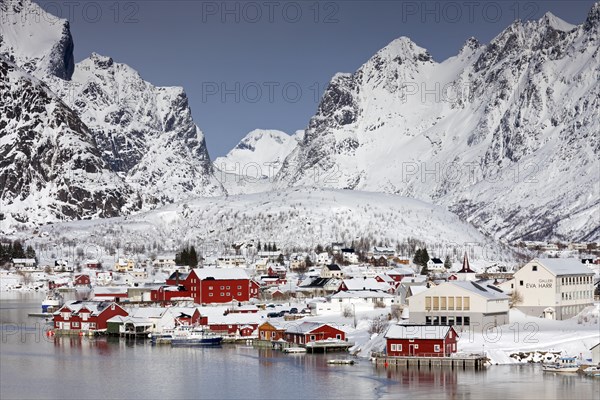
(209, 286)
(420, 341)
(87, 316)
(555, 288)
(306, 332)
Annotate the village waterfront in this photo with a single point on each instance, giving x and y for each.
(33, 365)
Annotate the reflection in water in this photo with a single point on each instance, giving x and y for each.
(91, 367)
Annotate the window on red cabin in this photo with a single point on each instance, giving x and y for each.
(436, 348)
(239, 287)
(239, 293)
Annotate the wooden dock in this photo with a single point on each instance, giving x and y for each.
(459, 363)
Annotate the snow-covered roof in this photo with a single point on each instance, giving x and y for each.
(401, 271)
(416, 289)
(220, 273)
(485, 291)
(362, 294)
(235, 319)
(417, 332)
(23, 260)
(366, 284)
(564, 266)
(304, 327)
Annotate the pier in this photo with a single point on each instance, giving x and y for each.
(476, 362)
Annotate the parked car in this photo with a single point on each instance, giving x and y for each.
(293, 310)
(274, 315)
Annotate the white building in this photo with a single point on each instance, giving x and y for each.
(232, 261)
(436, 266)
(463, 304)
(596, 354)
(24, 263)
(322, 259)
(557, 288)
(164, 261)
(331, 271)
(361, 300)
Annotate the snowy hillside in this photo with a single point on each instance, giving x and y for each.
(504, 134)
(50, 168)
(292, 218)
(251, 166)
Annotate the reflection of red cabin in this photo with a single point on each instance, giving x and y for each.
(81, 280)
(421, 340)
(311, 332)
(86, 316)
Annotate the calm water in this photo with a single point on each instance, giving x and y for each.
(34, 366)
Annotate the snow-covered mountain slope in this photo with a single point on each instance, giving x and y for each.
(50, 167)
(296, 218)
(251, 166)
(505, 135)
(262, 150)
(36, 41)
(145, 132)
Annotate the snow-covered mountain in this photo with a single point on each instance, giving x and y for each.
(251, 166)
(506, 134)
(295, 218)
(50, 167)
(36, 41)
(144, 132)
(144, 135)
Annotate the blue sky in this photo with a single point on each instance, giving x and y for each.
(264, 64)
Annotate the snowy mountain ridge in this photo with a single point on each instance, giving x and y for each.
(482, 133)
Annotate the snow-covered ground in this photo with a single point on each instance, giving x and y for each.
(573, 337)
(524, 334)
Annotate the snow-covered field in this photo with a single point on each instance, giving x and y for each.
(524, 334)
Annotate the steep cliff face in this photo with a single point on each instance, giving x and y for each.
(505, 135)
(36, 41)
(144, 132)
(50, 167)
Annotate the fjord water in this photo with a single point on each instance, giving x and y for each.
(35, 366)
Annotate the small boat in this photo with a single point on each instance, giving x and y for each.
(563, 365)
(341, 362)
(52, 302)
(186, 335)
(592, 371)
(294, 350)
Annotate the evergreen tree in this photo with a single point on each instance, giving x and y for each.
(447, 262)
(319, 249)
(17, 250)
(281, 260)
(424, 257)
(308, 262)
(30, 252)
(259, 247)
(418, 257)
(193, 261)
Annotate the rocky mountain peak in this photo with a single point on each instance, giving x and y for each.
(593, 18)
(36, 41)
